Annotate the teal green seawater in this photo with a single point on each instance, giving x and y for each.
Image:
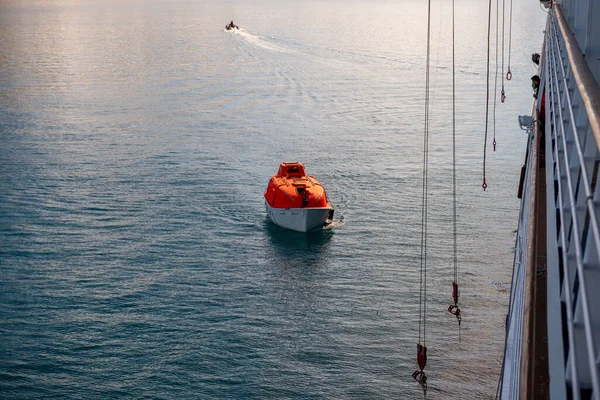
(137, 138)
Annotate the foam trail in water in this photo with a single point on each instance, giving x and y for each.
(257, 41)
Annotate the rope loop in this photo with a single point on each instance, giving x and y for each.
(508, 75)
(484, 185)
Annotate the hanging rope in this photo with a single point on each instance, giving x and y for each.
(496, 74)
(433, 84)
(453, 309)
(503, 95)
(487, 98)
(419, 375)
(509, 74)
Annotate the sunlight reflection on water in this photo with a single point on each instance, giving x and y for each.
(138, 138)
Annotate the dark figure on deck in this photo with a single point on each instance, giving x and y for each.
(535, 84)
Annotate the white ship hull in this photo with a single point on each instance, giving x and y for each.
(300, 219)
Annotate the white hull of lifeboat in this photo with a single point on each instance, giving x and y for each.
(300, 219)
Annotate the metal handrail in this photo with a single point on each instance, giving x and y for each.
(589, 196)
(593, 223)
(580, 77)
(586, 83)
(570, 91)
(563, 240)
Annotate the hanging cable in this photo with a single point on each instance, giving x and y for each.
(453, 309)
(496, 75)
(508, 73)
(433, 83)
(419, 375)
(487, 98)
(502, 93)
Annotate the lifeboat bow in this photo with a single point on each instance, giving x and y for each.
(297, 201)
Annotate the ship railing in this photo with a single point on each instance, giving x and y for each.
(568, 105)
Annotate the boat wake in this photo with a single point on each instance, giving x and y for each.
(335, 223)
(256, 40)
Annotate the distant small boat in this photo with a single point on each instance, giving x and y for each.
(231, 26)
(297, 201)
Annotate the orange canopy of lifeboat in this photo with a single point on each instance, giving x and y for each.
(292, 188)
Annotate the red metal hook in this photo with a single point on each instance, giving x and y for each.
(502, 96)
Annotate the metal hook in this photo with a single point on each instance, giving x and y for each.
(454, 310)
(420, 377)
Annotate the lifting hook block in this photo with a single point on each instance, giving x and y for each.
(421, 356)
(455, 293)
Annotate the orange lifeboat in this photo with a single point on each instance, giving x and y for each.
(295, 200)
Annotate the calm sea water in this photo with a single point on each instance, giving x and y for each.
(137, 138)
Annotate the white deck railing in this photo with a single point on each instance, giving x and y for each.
(569, 101)
(572, 161)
